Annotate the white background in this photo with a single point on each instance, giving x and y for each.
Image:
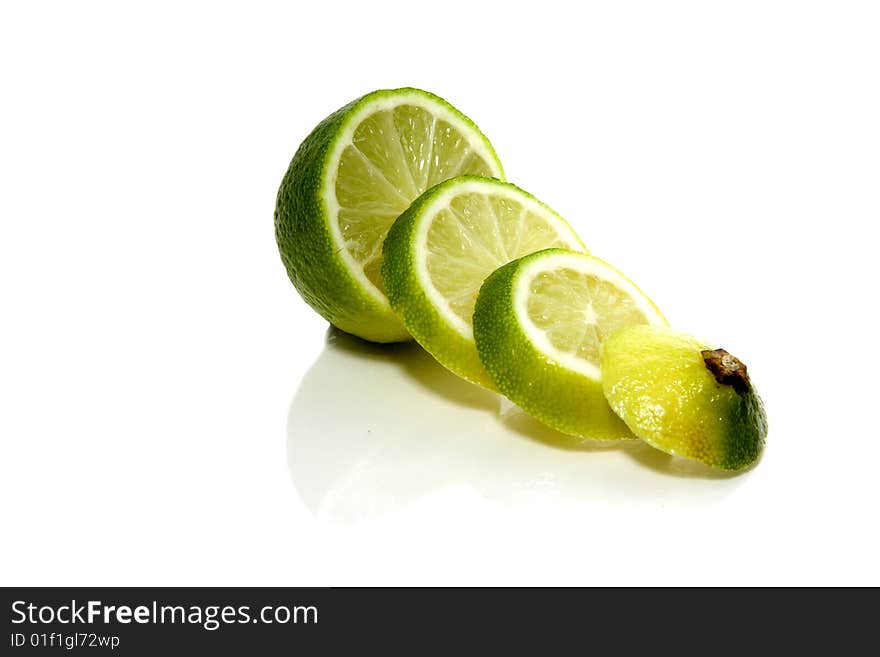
(171, 412)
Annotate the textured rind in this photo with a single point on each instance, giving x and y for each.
(399, 273)
(565, 400)
(657, 381)
(308, 251)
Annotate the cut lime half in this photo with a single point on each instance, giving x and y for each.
(350, 179)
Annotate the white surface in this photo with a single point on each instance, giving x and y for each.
(171, 413)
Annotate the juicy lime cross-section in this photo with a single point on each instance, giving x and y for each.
(439, 252)
(357, 171)
(539, 325)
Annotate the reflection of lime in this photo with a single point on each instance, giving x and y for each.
(440, 251)
(350, 179)
(539, 324)
(683, 397)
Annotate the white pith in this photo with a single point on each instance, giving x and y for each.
(441, 202)
(586, 265)
(345, 139)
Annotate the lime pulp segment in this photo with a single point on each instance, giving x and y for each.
(391, 156)
(569, 304)
(471, 231)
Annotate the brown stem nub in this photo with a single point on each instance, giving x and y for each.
(727, 369)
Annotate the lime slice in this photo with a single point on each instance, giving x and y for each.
(684, 397)
(439, 252)
(539, 324)
(350, 179)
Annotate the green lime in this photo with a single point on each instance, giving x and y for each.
(539, 325)
(683, 397)
(349, 180)
(439, 252)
